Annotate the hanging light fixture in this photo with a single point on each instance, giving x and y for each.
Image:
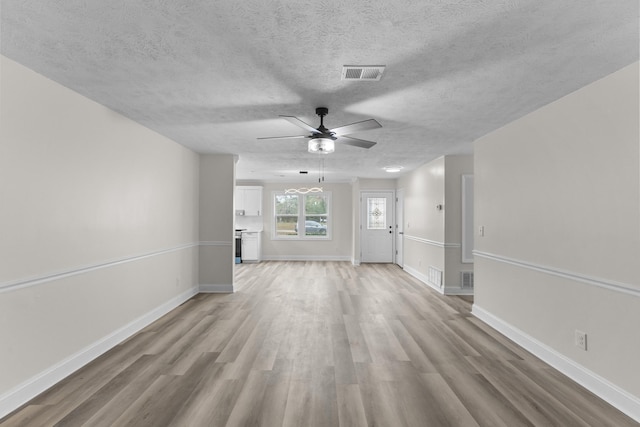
(303, 190)
(322, 145)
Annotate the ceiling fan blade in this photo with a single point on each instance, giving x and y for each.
(356, 127)
(296, 121)
(285, 137)
(362, 143)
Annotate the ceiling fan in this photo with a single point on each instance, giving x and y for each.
(322, 140)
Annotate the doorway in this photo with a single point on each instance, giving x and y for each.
(400, 227)
(377, 227)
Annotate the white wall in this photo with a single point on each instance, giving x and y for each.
(423, 224)
(98, 226)
(432, 237)
(455, 167)
(337, 248)
(558, 193)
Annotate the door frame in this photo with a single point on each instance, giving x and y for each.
(399, 230)
(392, 210)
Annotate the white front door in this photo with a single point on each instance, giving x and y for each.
(377, 227)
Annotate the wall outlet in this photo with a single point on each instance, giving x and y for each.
(581, 340)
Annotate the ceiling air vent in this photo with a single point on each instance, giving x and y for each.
(371, 73)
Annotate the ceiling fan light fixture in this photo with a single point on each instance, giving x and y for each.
(322, 145)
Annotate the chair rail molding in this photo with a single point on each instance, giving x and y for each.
(590, 280)
(13, 285)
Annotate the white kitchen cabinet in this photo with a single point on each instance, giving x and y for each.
(248, 200)
(251, 246)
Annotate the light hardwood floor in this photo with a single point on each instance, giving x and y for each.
(318, 344)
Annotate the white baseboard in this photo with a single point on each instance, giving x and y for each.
(609, 392)
(216, 289)
(458, 291)
(29, 389)
(306, 258)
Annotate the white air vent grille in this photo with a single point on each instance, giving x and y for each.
(353, 74)
(435, 276)
(466, 279)
(371, 73)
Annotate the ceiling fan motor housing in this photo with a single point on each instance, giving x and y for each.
(322, 111)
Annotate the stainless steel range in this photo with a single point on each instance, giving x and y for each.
(238, 239)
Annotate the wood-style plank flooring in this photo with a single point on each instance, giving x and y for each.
(318, 344)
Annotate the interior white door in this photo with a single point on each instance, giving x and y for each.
(399, 227)
(377, 234)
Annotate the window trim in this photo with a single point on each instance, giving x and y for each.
(301, 218)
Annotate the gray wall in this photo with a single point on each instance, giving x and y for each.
(217, 177)
(558, 193)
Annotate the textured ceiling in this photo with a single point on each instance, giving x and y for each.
(215, 75)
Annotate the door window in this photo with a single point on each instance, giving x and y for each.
(376, 213)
